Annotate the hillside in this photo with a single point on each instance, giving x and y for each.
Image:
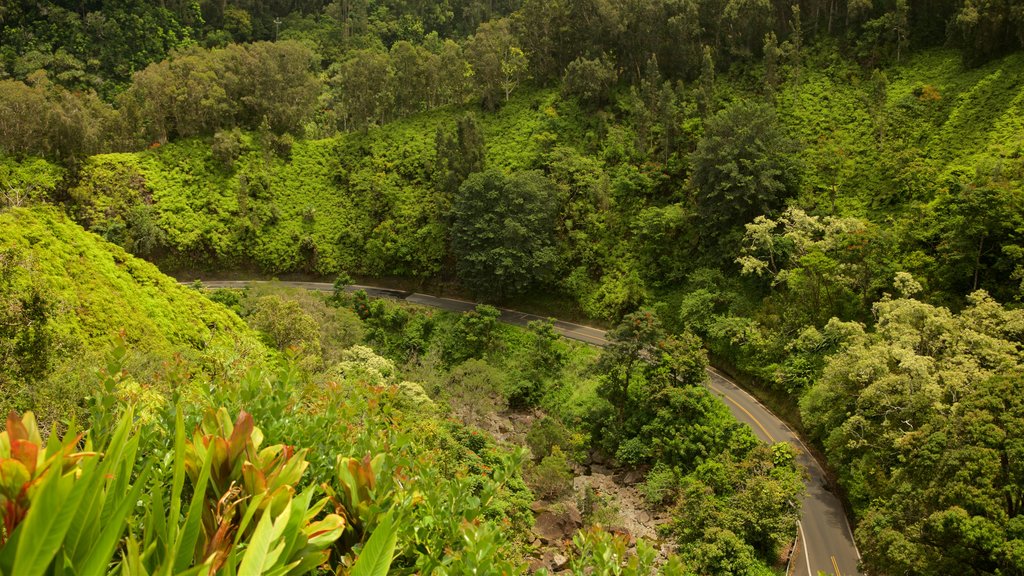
(71, 297)
(884, 147)
(823, 199)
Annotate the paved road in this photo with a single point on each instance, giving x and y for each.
(826, 541)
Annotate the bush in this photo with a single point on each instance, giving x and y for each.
(552, 478)
(285, 324)
(473, 389)
(547, 434)
(524, 392)
(660, 486)
(473, 334)
(226, 148)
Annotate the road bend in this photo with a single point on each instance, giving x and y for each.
(826, 542)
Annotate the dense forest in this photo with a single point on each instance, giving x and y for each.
(824, 198)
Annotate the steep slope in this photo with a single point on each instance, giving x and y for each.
(70, 297)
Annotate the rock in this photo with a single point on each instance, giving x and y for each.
(622, 531)
(538, 506)
(557, 524)
(572, 513)
(559, 561)
(632, 477)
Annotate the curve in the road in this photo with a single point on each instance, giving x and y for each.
(826, 540)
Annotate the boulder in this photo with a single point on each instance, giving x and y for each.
(558, 523)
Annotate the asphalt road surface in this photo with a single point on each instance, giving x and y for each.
(826, 541)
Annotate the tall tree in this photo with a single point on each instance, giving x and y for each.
(458, 154)
(362, 88)
(923, 421)
(503, 232)
(498, 63)
(743, 167)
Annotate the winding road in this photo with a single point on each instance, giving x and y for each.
(825, 539)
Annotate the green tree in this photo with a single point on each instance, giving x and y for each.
(917, 419)
(743, 167)
(503, 232)
(361, 87)
(988, 28)
(824, 264)
(498, 62)
(973, 226)
(458, 154)
(590, 81)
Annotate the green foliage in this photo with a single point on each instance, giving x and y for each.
(285, 324)
(73, 296)
(550, 478)
(42, 119)
(226, 147)
(590, 81)
(742, 168)
(900, 413)
(458, 154)
(601, 552)
(661, 485)
(32, 180)
(497, 62)
(473, 334)
(651, 385)
(198, 92)
(737, 510)
(545, 435)
(502, 232)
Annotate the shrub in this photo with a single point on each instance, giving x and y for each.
(660, 486)
(545, 435)
(552, 478)
(473, 334)
(226, 148)
(285, 324)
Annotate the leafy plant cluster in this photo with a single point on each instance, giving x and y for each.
(641, 401)
(222, 503)
(69, 297)
(731, 497)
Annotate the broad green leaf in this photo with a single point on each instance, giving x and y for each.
(76, 541)
(185, 544)
(265, 546)
(178, 481)
(106, 541)
(376, 557)
(254, 505)
(47, 521)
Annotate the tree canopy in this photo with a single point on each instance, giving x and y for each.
(503, 231)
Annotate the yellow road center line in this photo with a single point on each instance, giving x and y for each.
(747, 412)
(836, 566)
